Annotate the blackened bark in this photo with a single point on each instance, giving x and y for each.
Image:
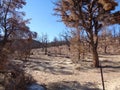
(105, 49)
(95, 57)
(94, 45)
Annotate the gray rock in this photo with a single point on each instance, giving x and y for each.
(35, 87)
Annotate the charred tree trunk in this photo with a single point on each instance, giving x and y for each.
(45, 50)
(46, 45)
(94, 45)
(2, 44)
(95, 57)
(78, 56)
(78, 44)
(105, 49)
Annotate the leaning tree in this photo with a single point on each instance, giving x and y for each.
(89, 16)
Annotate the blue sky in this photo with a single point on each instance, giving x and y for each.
(42, 18)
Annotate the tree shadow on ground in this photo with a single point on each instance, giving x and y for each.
(71, 85)
(38, 58)
(46, 66)
(111, 66)
(107, 66)
(85, 66)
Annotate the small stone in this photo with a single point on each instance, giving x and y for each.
(35, 87)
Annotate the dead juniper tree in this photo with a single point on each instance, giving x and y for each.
(105, 39)
(91, 16)
(75, 45)
(12, 24)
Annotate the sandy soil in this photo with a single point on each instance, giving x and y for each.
(61, 74)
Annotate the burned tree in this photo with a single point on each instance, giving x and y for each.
(66, 37)
(105, 39)
(12, 25)
(44, 42)
(90, 15)
(76, 45)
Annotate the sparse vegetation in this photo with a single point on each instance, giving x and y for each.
(68, 61)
